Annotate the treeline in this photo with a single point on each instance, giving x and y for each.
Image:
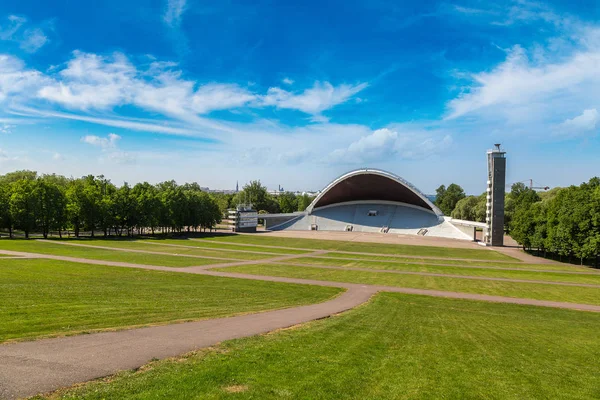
(564, 223)
(33, 203)
(46, 203)
(257, 195)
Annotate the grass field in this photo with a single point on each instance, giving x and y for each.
(454, 270)
(46, 297)
(224, 246)
(399, 259)
(397, 249)
(103, 254)
(585, 295)
(396, 347)
(154, 245)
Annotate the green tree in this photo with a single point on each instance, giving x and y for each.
(446, 198)
(24, 205)
(288, 203)
(304, 201)
(52, 205)
(466, 209)
(6, 221)
(254, 193)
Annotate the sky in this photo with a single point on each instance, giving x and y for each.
(298, 93)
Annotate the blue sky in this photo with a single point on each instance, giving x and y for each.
(296, 93)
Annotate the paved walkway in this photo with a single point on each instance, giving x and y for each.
(28, 368)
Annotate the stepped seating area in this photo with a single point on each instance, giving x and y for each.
(369, 217)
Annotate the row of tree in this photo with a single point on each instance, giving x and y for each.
(54, 203)
(565, 222)
(285, 202)
(32, 203)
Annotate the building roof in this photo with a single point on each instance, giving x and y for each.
(372, 185)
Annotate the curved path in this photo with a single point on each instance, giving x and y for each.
(28, 368)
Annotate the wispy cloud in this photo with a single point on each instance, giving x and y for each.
(530, 87)
(90, 83)
(385, 143)
(174, 11)
(30, 39)
(287, 81)
(6, 128)
(110, 151)
(129, 123)
(16, 80)
(322, 96)
(586, 123)
(109, 141)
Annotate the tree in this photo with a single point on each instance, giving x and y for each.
(12, 177)
(51, 205)
(254, 193)
(24, 205)
(304, 201)
(520, 197)
(124, 210)
(466, 209)
(6, 221)
(446, 198)
(75, 203)
(288, 203)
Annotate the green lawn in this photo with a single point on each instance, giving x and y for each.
(151, 245)
(396, 347)
(454, 270)
(431, 261)
(584, 295)
(47, 297)
(212, 245)
(103, 254)
(399, 249)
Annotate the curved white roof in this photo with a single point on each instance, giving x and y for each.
(405, 187)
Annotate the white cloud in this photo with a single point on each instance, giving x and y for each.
(535, 88)
(30, 39)
(175, 9)
(92, 82)
(321, 97)
(135, 124)
(6, 128)
(108, 142)
(383, 144)
(11, 27)
(95, 82)
(120, 157)
(587, 122)
(58, 157)
(516, 81)
(288, 81)
(33, 40)
(16, 79)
